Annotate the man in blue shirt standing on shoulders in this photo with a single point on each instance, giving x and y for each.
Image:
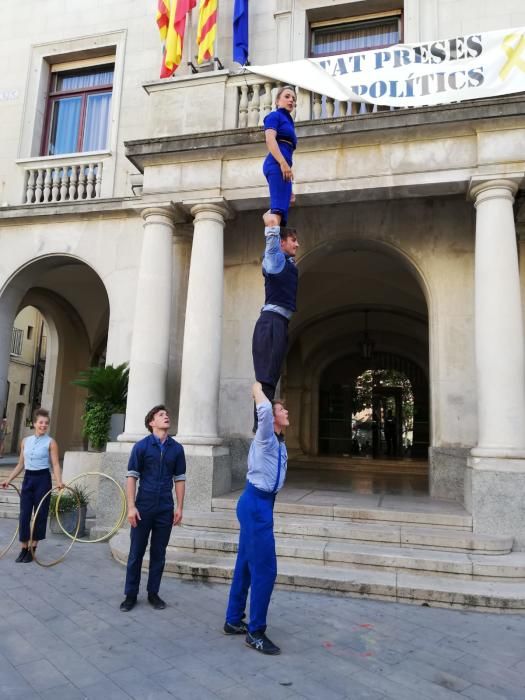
(256, 564)
(270, 335)
(159, 462)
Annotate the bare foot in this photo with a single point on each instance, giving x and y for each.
(271, 219)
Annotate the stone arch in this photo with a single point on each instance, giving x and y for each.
(399, 302)
(74, 302)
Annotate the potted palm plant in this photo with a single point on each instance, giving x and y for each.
(68, 510)
(107, 389)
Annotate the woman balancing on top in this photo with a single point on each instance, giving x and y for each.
(38, 454)
(281, 141)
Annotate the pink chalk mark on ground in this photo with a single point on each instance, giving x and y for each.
(328, 645)
(367, 625)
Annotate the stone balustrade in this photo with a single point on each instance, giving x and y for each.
(256, 96)
(49, 180)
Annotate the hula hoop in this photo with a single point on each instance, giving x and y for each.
(33, 523)
(119, 522)
(4, 551)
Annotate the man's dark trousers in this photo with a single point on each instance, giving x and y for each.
(156, 519)
(269, 347)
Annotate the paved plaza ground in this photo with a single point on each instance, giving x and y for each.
(62, 637)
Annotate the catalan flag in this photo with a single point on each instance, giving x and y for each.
(171, 21)
(207, 29)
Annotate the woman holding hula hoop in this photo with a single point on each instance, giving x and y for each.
(281, 141)
(38, 453)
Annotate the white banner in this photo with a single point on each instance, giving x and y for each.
(413, 75)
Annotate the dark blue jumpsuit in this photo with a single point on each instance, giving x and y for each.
(158, 467)
(280, 190)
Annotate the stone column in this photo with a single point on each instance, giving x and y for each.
(201, 359)
(496, 473)
(148, 363)
(151, 327)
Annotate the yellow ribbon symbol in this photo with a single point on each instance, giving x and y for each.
(514, 53)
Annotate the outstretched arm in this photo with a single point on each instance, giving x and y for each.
(264, 414)
(274, 260)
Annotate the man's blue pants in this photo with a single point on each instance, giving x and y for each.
(256, 565)
(157, 520)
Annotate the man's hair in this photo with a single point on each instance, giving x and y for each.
(151, 414)
(277, 402)
(287, 232)
(40, 413)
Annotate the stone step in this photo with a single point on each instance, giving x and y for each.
(398, 534)
(376, 583)
(334, 552)
(9, 510)
(422, 516)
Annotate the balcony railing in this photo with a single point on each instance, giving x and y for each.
(255, 101)
(64, 179)
(17, 340)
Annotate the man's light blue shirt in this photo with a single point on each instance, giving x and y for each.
(263, 457)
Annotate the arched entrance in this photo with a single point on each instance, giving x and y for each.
(71, 301)
(362, 308)
(374, 408)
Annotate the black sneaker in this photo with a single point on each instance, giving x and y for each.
(28, 557)
(239, 628)
(260, 642)
(128, 603)
(156, 602)
(20, 558)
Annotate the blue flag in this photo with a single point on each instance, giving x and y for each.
(240, 31)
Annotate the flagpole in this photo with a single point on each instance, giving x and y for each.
(191, 39)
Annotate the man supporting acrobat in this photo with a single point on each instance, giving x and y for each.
(256, 565)
(270, 335)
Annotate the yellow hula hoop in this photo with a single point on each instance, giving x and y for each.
(6, 549)
(73, 537)
(119, 522)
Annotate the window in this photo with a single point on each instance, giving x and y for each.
(354, 34)
(22, 389)
(78, 110)
(29, 332)
(17, 339)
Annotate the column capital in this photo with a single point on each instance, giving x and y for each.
(483, 187)
(210, 208)
(157, 214)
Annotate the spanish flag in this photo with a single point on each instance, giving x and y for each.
(171, 21)
(207, 29)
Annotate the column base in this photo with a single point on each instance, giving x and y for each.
(447, 472)
(208, 474)
(493, 495)
(114, 463)
(128, 437)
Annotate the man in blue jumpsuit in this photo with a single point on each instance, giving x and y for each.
(256, 565)
(159, 462)
(270, 335)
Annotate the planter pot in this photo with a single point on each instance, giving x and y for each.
(69, 522)
(116, 426)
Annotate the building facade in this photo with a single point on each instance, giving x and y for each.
(131, 219)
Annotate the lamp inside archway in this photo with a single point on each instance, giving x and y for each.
(366, 345)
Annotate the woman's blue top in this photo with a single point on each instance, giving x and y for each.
(281, 121)
(36, 452)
